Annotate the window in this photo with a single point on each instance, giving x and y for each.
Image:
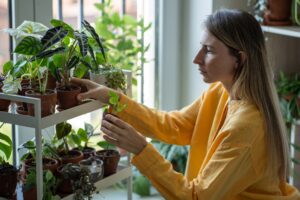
(4, 38)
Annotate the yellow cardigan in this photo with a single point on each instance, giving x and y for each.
(227, 155)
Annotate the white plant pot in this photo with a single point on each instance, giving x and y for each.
(98, 78)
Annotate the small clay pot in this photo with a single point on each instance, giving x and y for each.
(110, 160)
(73, 156)
(48, 102)
(67, 97)
(87, 152)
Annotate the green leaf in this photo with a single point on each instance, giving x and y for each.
(73, 62)
(129, 20)
(58, 60)
(63, 129)
(105, 145)
(7, 67)
(53, 36)
(6, 149)
(76, 139)
(32, 27)
(83, 42)
(57, 22)
(29, 46)
(82, 134)
(29, 145)
(89, 129)
(96, 37)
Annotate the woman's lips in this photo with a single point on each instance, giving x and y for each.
(202, 71)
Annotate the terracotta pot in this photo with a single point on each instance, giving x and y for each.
(67, 97)
(22, 106)
(48, 164)
(8, 180)
(72, 157)
(278, 13)
(87, 152)
(4, 104)
(51, 82)
(30, 194)
(48, 102)
(110, 160)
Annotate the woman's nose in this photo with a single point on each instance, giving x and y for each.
(198, 59)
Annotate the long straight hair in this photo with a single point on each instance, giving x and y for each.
(253, 79)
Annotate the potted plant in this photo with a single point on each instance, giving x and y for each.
(100, 70)
(63, 129)
(81, 140)
(29, 158)
(110, 156)
(95, 166)
(278, 13)
(36, 52)
(76, 179)
(75, 46)
(49, 186)
(8, 173)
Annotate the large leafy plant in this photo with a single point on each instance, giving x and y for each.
(120, 35)
(96, 60)
(75, 47)
(34, 50)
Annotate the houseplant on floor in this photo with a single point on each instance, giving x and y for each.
(8, 173)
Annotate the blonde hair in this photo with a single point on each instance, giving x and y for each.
(253, 80)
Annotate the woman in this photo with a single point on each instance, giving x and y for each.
(237, 138)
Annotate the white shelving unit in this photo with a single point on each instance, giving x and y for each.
(38, 123)
(290, 31)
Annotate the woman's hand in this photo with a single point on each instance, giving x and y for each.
(95, 91)
(122, 134)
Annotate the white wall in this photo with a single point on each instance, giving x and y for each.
(181, 26)
(180, 29)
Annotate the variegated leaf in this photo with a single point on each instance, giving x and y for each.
(29, 46)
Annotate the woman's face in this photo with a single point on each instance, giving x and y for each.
(215, 61)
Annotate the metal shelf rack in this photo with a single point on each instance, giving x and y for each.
(39, 123)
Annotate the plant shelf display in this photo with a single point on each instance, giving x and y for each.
(39, 123)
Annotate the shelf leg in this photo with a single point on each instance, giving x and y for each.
(39, 159)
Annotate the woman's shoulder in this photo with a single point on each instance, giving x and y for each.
(245, 122)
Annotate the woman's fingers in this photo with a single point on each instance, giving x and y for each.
(116, 121)
(108, 125)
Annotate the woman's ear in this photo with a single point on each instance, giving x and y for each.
(241, 58)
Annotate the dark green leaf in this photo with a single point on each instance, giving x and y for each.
(83, 42)
(92, 31)
(29, 46)
(53, 36)
(73, 62)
